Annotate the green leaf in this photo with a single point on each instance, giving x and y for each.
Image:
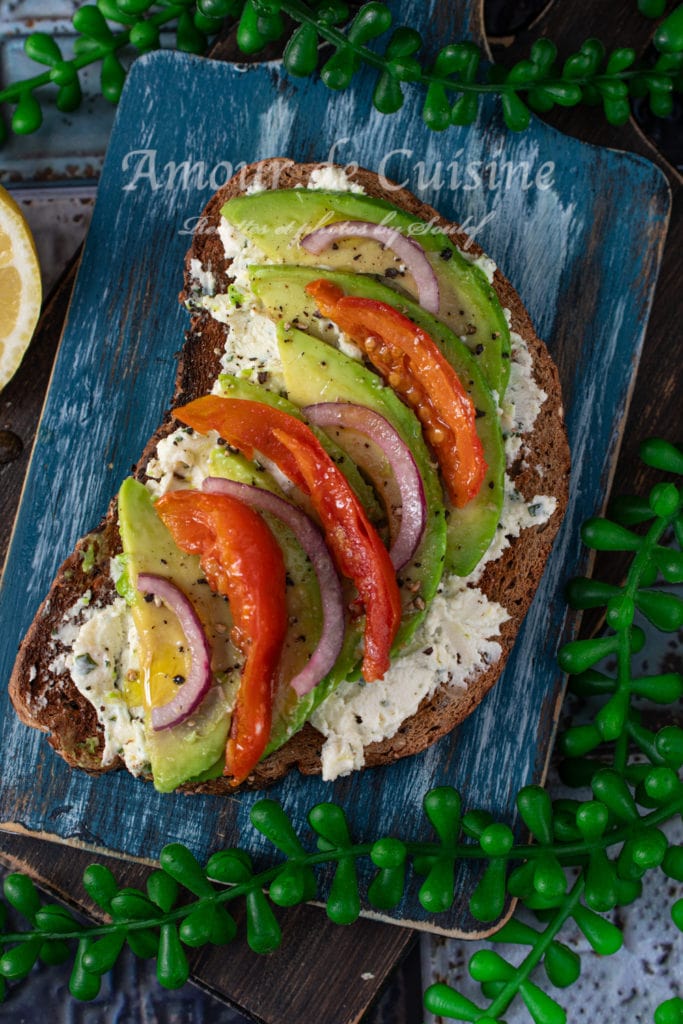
(101, 955)
(89, 21)
(162, 890)
(444, 1001)
(301, 52)
(562, 965)
(41, 47)
(515, 113)
(263, 930)
(112, 78)
(144, 36)
(28, 116)
(665, 611)
(271, 821)
(661, 454)
(620, 60)
(604, 937)
(83, 984)
(542, 1007)
(189, 39)
(670, 1011)
(56, 919)
(436, 893)
(250, 37)
(534, 805)
(16, 962)
(652, 8)
(668, 37)
(387, 887)
(173, 969)
(133, 905)
(181, 864)
(100, 885)
(21, 893)
(488, 899)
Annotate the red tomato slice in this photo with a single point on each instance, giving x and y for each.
(241, 560)
(355, 545)
(411, 363)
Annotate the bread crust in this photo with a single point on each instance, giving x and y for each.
(48, 699)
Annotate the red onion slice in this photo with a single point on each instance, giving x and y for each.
(408, 251)
(199, 681)
(400, 458)
(311, 539)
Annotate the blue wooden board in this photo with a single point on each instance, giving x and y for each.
(578, 231)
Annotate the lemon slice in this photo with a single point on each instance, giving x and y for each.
(20, 287)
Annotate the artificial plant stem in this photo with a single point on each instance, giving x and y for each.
(505, 997)
(120, 39)
(624, 650)
(298, 12)
(571, 854)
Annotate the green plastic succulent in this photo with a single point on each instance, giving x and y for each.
(583, 858)
(453, 83)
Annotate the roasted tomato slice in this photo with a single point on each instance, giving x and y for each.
(241, 560)
(410, 362)
(356, 547)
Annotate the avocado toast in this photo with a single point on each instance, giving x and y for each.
(256, 335)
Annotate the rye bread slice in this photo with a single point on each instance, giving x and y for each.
(43, 692)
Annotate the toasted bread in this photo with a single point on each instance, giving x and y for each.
(41, 687)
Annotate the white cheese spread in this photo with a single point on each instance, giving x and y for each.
(334, 179)
(522, 400)
(203, 278)
(181, 460)
(103, 653)
(451, 646)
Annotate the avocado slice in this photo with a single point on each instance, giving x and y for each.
(282, 291)
(276, 221)
(196, 747)
(303, 608)
(316, 372)
(238, 387)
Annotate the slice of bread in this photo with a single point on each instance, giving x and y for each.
(41, 687)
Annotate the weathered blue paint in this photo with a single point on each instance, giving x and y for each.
(581, 244)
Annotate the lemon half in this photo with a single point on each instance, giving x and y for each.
(20, 287)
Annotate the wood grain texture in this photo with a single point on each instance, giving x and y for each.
(581, 253)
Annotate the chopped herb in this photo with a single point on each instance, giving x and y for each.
(88, 557)
(235, 296)
(84, 664)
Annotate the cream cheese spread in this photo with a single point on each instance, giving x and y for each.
(333, 178)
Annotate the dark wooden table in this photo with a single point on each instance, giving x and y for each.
(289, 984)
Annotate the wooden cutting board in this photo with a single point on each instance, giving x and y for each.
(578, 230)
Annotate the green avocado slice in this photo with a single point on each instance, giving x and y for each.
(276, 221)
(191, 749)
(303, 603)
(282, 291)
(237, 387)
(316, 372)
